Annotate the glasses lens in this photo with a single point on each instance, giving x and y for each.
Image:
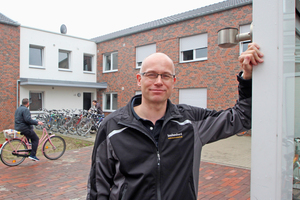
(166, 76)
(151, 75)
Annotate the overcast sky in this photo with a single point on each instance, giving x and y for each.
(93, 18)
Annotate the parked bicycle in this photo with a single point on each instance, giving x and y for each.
(92, 121)
(296, 164)
(16, 148)
(65, 121)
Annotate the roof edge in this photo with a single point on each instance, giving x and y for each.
(169, 23)
(12, 24)
(6, 20)
(61, 83)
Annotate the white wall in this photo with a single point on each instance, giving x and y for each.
(52, 43)
(273, 100)
(58, 97)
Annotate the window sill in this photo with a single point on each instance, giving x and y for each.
(64, 70)
(36, 112)
(110, 71)
(36, 67)
(109, 111)
(87, 72)
(188, 61)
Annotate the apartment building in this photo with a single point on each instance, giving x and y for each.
(206, 73)
(58, 71)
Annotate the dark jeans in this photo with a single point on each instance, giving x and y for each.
(30, 134)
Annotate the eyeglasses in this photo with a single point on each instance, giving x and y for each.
(154, 75)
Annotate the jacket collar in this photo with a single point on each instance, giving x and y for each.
(128, 115)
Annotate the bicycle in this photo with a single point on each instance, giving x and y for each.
(15, 149)
(91, 122)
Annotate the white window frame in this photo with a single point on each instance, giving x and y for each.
(244, 29)
(111, 102)
(42, 56)
(69, 60)
(193, 43)
(92, 66)
(105, 55)
(143, 52)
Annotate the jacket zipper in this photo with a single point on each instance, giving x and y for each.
(158, 175)
(158, 160)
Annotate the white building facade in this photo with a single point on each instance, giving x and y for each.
(57, 71)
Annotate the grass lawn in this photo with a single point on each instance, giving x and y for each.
(71, 143)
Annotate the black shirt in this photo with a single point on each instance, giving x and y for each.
(154, 129)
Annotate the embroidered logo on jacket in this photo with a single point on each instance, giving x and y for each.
(174, 136)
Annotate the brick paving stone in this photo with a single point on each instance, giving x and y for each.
(66, 179)
(228, 182)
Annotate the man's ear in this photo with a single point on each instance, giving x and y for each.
(138, 79)
(174, 81)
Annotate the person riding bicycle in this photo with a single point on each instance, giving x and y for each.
(24, 123)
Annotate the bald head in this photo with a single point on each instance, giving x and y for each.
(156, 58)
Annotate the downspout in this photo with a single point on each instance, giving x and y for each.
(18, 82)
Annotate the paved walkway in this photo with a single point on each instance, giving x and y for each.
(66, 178)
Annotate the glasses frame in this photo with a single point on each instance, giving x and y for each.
(161, 75)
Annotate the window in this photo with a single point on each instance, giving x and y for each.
(193, 48)
(110, 102)
(64, 59)
(36, 55)
(87, 63)
(143, 52)
(244, 44)
(36, 101)
(110, 62)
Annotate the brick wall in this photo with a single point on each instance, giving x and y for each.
(9, 73)
(217, 73)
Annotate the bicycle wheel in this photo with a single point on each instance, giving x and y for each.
(7, 150)
(85, 127)
(64, 125)
(54, 147)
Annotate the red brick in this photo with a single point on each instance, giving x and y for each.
(9, 73)
(217, 74)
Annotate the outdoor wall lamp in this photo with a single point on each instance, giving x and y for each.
(229, 37)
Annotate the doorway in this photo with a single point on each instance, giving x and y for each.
(87, 99)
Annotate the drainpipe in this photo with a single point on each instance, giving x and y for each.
(18, 82)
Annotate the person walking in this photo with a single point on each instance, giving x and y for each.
(151, 148)
(24, 123)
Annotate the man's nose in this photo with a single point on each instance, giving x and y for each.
(159, 80)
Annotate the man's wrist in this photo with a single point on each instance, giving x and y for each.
(245, 76)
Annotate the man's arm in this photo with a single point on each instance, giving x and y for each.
(222, 124)
(99, 109)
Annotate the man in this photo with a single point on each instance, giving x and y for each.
(96, 108)
(23, 123)
(150, 149)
